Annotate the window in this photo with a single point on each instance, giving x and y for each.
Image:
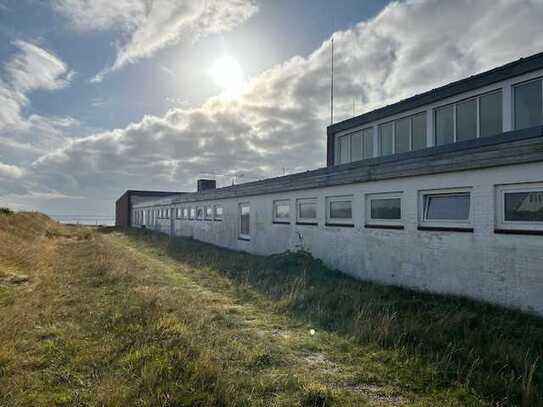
(528, 104)
(386, 134)
(339, 211)
(418, 131)
(218, 212)
(481, 116)
(244, 221)
(281, 211)
(168, 213)
(444, 118)
(192, 213)
(384, 210)
(306, 211)
(520, 207)
(209, 213)
(344, 147)
(200, 213)
(185, 213)
(355, 146)
(402, 135)
(490, 114)
(449, 209)
(466, 120)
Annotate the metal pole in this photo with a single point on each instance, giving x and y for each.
(332, 87)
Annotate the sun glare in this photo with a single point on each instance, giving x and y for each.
(228, 75)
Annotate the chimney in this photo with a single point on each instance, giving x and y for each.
(206, 184)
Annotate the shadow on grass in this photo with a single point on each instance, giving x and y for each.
(492, 351)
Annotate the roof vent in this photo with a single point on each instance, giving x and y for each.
(206, 184)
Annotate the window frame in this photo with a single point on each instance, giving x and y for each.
(243, 236)
(409, 117)
(307, 221)
(444, 224)
(275, 219)
(330, 221)
(192, 213)
(349, 135)
(455, 116)
(519, 226)
(216, 217)
(384, 223)
(200, 216)
(513, 106)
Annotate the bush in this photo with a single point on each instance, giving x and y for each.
(6, 211)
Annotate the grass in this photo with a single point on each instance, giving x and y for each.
(120, 318)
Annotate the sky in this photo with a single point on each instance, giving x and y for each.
(97, 97)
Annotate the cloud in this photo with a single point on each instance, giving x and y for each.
(280, 121)
(151, 25)
(10, 171)
(30, 69)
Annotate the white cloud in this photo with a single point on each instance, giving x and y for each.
(31, 68)
(151, 25)
(280, 121)
(10, 171)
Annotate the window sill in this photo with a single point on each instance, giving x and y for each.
(308, 223)
(445, 229)
(276, 222)
(519, 232)
(244, 239)
(341, 225)
(391, 227)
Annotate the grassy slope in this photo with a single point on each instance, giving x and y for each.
(116, 319)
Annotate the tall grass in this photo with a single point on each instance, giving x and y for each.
(491, 351)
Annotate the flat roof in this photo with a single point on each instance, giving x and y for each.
(509, 148)
(504, 72)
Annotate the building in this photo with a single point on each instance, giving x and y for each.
(440, 192)
(123, 205)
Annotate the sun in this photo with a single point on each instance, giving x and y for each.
(228, 75)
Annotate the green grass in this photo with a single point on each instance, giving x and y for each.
(117, 319)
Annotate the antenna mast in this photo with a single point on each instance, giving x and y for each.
(332, 87)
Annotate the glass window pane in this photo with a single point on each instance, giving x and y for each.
(192, 213)
(528, 105)
(282, 210)
(356, 146)
(244, 219)
(466, 120)
(368, 142)
(307, 210)
(209, 212)
(344, 156)
(390, 208)
(524, 206)
(491, 114)
(418, 133)
(444, 126)
(447, 206)
(341, 210)
(402, 135)
(385, 139)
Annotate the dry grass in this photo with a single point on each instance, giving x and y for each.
(112, 319)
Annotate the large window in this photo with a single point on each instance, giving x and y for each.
(355, 146)
(386, 135)
(281, 211)
(200, 213)
(480, 116)
(339, 211)
(218, 212)
(384, 210)
(520, 207)
(209, 213)
(306, 211)
(446, 209)
(528, 104)
(185, 213)
(192, 212)
(402, 135)
(244, 221)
